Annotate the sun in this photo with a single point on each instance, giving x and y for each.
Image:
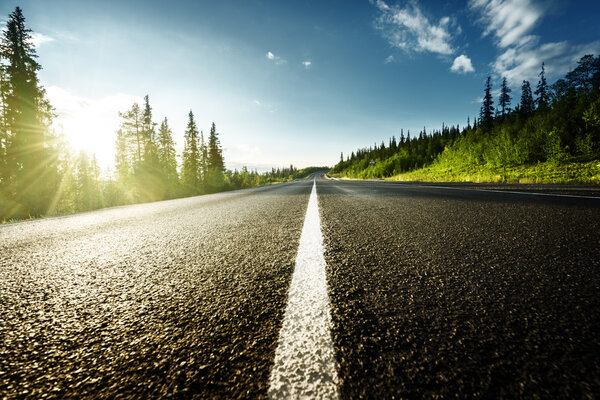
(89, 123)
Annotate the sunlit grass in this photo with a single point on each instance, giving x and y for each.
(568, 173)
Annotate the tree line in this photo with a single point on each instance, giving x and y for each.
(560, 125)
(40, 175)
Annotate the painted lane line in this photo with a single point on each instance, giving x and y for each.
(305, 359)
(513, 192)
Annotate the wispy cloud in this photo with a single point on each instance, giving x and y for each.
(276, 59)
(408, 29)
(524, 63)
(510, 21)
(389, 59)
(266, 106)
(462, 65)
(307, 64)
(37, 39)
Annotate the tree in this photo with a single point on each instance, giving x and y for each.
(84, 183)
(216, 165)
(122, 158)
(149, 136)
(191, 157)
(527, 104)
(133, 132)
(203, 159)
(505, 98)
(29, 174)
(167, 158)
(542, 92)
(148, 174)
(582, 77)
(486, 114)
(3, 129)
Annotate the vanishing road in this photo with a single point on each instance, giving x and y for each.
(316, 289)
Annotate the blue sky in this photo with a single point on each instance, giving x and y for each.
(294, 82)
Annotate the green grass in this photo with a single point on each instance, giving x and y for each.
(567, 173)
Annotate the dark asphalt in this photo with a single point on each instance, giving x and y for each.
(460, 293)
(434, 293)
(176, 299)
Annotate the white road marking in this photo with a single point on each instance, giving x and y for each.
(512, 192)
(305, 359)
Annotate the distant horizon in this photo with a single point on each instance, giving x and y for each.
(293, 83)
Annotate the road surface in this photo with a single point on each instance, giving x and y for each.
(417, 291)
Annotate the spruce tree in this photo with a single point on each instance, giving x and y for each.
(148, 178)
(133, 132)
(167, 158)
(542, 93)
(84, 183)
(149, 136)
(122, 158)
(191, 157)
(582, 77)
(505, 98)
(203, 159)
(216, 166)
(486, 115)
(527, 104)
(3, 131)
(29, 174)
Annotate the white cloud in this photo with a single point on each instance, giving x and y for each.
(408, 29)
(462, 64)
(264, 106)
(90, 123)
(521, 56)
(389, 59)
(525, 62)
(306, 64)
(508, 20)
(277, 59)
(37, 39)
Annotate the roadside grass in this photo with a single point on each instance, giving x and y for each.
(547, 172)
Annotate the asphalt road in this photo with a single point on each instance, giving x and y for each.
(434, 292)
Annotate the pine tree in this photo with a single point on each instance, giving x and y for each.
(527, 104)
(505, 98)
(167, 158)
(203, 159)
(122, 158)
(542, 93)
(486, 115)
(29, 174)
(133, 132)
(191, 157)
(149, 136)
(582, 77)
(216, 166)
(4, 176)
(148, 177)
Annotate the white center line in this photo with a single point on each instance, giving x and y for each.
(305, 359)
